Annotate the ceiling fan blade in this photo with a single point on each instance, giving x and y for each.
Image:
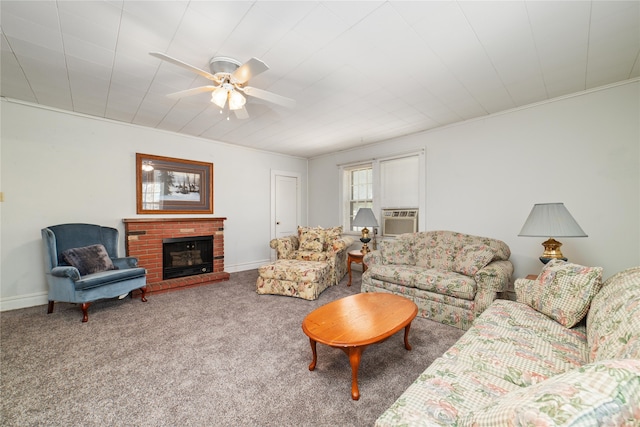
(183, 65)
(241, 113)
(269, 96)
(193, 91)
(249, 69)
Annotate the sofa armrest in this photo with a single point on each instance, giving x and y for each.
(125, 262)
(285, 246)
(66, 272)
(495, 276)
(492, 279)
(373, 258)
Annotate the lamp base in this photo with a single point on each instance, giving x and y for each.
(551, 251)
(365, 248)
(545, 260)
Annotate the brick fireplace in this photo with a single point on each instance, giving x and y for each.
(144, 237)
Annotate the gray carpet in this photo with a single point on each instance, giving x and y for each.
(213, 355)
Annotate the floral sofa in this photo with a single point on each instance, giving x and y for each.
(452, 277)
(566, 353)
(317, 244)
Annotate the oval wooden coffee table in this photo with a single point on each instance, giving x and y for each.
(357, 321)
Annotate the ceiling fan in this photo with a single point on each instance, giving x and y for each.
(230, 79)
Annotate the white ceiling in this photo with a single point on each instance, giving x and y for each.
(360, 71)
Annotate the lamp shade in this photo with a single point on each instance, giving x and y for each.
(551, 220)
(365, 218)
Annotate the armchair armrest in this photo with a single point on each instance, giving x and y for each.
(495, 276)
(285, 246)
(66, 272)
(342, 243)
(125, 262)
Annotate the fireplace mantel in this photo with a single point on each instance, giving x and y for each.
(143, 239)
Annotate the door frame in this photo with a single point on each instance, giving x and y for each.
(298, 176)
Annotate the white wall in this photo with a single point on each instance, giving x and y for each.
(483, 176)
(58, 167)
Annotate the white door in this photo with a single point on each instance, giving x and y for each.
(285, 204)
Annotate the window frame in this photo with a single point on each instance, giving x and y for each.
(344, 184)
(350, 201)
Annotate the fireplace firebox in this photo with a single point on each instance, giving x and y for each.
(187, 256)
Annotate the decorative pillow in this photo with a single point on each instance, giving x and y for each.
(398, 251)
(311, 239)
(602, 393)
(331, 235)
(562, 291)
(89, 259)
(472, 258)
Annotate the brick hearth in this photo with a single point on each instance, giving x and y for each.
(143, 239)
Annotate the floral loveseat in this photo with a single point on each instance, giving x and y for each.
(452, 277)
(317, 244)
(538, 361)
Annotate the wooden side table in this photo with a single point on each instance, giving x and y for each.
(355, 256)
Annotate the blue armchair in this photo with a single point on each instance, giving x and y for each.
(82, 266)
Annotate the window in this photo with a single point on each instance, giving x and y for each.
(359, 181)
(394, 182)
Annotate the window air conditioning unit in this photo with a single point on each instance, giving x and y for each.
(399, 221)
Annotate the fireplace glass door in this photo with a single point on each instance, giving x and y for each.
(187, 256)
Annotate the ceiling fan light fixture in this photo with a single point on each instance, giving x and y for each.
(236, 100)
(219, 97)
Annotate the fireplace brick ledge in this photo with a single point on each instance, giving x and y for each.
(143, 240)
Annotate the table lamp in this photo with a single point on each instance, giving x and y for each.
(365, 218)
(551, 220)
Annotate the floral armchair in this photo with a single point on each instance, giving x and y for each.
(317, 244)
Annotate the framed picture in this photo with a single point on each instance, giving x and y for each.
(165, 185)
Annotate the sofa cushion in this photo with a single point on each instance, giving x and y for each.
(432, 250)
(442, 393)
(89, 259)
(398, 251)
(438, 249)
(311, 239)
(562, 291)
(472, 258)
(295, 271)
(312, 256)
(437, 281)
(613, 322)
(108, 277)
(602, 393)
(521, 345)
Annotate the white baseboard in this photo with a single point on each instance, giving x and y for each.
(24, 301)
(41, 298)
(245, 266)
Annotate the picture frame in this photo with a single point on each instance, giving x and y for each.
(166, 185)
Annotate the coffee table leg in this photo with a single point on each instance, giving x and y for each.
(312, 366)
(355, 354)
(406, 337)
